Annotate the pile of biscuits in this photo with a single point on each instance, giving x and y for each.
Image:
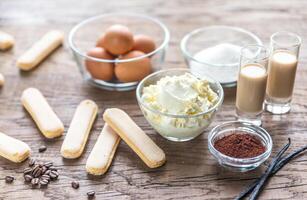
(11, 148)
(118, 126)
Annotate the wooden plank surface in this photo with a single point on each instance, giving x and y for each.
(190, 171)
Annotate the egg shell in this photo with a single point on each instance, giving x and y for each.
(144, 43)
(100, 70)
(134, 70)
(100, 40)
(118, 40)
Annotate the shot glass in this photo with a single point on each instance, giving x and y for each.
(283, 61)
(251, 84)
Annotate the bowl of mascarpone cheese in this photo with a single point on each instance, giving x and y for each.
(178, 104)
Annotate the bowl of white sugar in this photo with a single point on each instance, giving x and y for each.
(215, 51)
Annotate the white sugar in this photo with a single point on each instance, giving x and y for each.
(224, 60)
(224, 53)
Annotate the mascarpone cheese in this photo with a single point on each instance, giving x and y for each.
(179, 95)
(183, 95)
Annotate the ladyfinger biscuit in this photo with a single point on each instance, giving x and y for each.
(79, 129)
(13, 149)
(103, 152)
(43, 115)
(40, 50)
(135, 137)
(6, 41)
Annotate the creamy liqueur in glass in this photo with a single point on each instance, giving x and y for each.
(282, 70)
(251, 88)
(251, 84)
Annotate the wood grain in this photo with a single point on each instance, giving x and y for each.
(190, 171)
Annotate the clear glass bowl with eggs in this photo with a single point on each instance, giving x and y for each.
(215, 51)
(115, 51)
(177, 127)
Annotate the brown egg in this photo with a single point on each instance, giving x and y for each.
(144, 43)
(118, 40)
(100, 70)
(134, 70)
(100, 40)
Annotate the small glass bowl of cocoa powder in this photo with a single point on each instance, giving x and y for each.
(240, 146)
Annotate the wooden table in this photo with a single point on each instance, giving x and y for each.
(190, 171)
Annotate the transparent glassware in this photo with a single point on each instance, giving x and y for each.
(84, 36)
(283, 62)
(201, 39)
(173, 127)
(239, 164)
(252, 80)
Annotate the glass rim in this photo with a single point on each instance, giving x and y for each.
(186, 38)
(81, 53)
(215, 106)
(291, 34)
(261, 47)
(257, 129)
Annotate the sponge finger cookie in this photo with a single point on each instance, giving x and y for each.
(43, 115)
(40, 50)
(135, 137)
(79, 129)
(6, 41)
(103, 152)
(13, 149)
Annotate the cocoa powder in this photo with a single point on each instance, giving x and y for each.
(240, 145)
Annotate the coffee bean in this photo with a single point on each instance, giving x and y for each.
(47, 177)
(32, 162)
(9, 179)
(42, 149)
(48, 164)
(28, 178)
(27, 170)
(53, 168)
(44, 169)
(91, 194)
(43, 182)
(75, 184)
(35, 181)
(37, 172)
(54, 174)
(35, 167)
(47, 172)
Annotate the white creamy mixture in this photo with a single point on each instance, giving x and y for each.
(184, 95)
(226, 55)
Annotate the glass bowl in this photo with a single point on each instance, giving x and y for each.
(84, 36)
(178, 127)
(202, 61)
(239, 164)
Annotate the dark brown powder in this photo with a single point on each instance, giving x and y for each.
(240, 145)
